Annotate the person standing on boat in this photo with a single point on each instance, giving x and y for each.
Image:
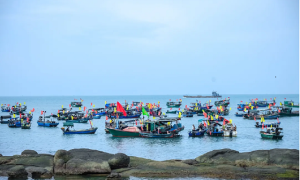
(193, 127)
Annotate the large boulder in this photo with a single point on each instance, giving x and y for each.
(29, 153)
(38, 172)
(81, 161)
(285, 157)
(222, 156)
(17, 172)
(119, 160)
(40, 160)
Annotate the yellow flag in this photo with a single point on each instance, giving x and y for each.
(251, 107)
(63, 111)
(230, 108)
(202, 110)
(280, 104)
(93, 105)
(127, 108)
(57, 115)
(91, 122)
(62, 106)
(163, 113)
(208, 123)
(29, 112)
(217, 116)
(196, 104)
(245, 109)
(158, 102)
(169, 123)
(24, 103)
(271, 125)
(292, 104)
(72, 117)
(230, 121)
(79, 108)
(105, 102)
(179, 114)
(249, 104)
(211, 117)
(246, 103)
(14, 116)
(20, 104)
(115, 110)
(15, 106)
(182, 110)
(1, 104)
(261, 119)
(153, 117)
(22, 121)
(209, 100)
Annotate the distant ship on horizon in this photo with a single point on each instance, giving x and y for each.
(214, 95)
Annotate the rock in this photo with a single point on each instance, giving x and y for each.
(0, 155)
(119, 160)
(17, 172)
(190, 161)
(81, 166)
(113, 176)
(38, 172)
(29, 153)
(285, 157)
(222, 156)
(40, 160)
(81, 161)
(137, 161)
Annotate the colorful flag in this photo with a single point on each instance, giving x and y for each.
(121, 109)
(145, 112)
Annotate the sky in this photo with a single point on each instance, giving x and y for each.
(157, 47)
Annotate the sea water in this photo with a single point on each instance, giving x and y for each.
(50, 139)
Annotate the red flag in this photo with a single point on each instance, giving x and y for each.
(28, 119)
(241, 101)
(277, 119)
(284, 98)
(20, 115)
(185, 106)
(170, 108)
(179, 109)
(176, 99)
(57, 111)
(91, 104)
(51, 114)
(204, 124)
(17, 103)
(170, 100)
(121, 109)
(106, 118)
(135, 122)
(254, 118)
(224, 122)
(158, 105)
(42, 112)
(33, 110)
(87, 111)
(262, 126)
(279, 110)
(69, 105)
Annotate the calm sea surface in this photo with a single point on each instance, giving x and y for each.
(49, 140)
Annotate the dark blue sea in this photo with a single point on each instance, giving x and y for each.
(49, 140)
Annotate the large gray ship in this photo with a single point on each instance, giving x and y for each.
(214, 95)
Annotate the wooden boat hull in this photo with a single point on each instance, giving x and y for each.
(47, 124)
(121, 133)
(155, 135)
(270, 136)
(268, 125)
(14, 125)
(84, 131)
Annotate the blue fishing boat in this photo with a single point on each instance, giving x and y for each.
(92, 130)
(197, 132)
(47, 123)
(5, 108)
(128, 116)
(214, 130)
(14, 124)
(239, 115)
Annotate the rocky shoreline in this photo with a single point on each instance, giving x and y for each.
(223, 163)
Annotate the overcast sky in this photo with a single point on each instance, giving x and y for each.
(128, 47)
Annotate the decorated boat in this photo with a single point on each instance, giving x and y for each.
(229, 130)
(173, 104)
(5, 108)
(126, 132)
(46, 123)
(197, 132)
(78, 121)
(156, 135)
(286, 111)
(14, 123)
(239, 114)
(214, 129)
(26, 125)
(271, 133)
(290, 104)
(224, 102)
(92, 130)
(76, 104)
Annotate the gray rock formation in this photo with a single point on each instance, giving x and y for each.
(29, 153)
(119, 160)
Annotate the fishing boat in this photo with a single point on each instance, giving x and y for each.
(46, 123)
(214, 95)
(290, 104)
(76, 104)
(197, 132)
(214, 129)
(5, 108)
(286, 111)
(78, 121)
(121, 116)
(92, 130)
(171, 112)
(14, 123)
(273, 124)
(263, 103)
(126, 132)
(18, 108)
(25, 125)
(187, 114)
(224, 102)
(271, 133)
(229, 130)
(173, 104)
(239, 114)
